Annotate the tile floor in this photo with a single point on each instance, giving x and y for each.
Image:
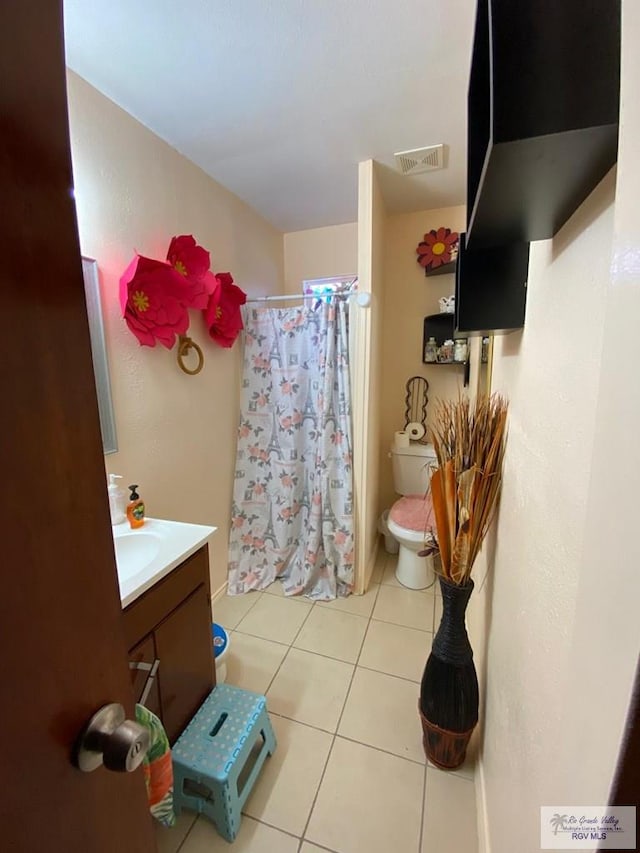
(342, 682)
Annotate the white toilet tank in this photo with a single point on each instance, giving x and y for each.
(411, 468)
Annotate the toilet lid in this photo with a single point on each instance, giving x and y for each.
(414, 512)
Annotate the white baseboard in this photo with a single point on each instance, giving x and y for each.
(484, 840)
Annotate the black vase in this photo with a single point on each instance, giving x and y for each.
(449, 689)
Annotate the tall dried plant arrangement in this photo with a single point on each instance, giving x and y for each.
(469, 441)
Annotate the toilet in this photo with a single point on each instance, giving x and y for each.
(411, 517)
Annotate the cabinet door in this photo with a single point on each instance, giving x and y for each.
(185, 649)
(144, 652)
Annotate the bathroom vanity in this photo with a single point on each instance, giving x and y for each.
(167, 618)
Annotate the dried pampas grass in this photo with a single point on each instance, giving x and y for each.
(469, 441)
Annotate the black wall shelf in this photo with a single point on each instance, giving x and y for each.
(439, 326)
(543, 108)
(442, 327)
(491, 289)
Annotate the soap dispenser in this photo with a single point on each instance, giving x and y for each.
(135, 508)
(117, 500)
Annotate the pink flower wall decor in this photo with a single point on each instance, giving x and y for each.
(192, 262)
(222, 314)
(152, 302)
(155, 296)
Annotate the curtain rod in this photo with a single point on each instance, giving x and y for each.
(300, 296)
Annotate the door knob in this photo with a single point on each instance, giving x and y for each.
(110, 739)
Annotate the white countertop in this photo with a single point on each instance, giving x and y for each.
(146, 555)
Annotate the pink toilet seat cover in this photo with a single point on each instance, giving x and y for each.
(414, 512)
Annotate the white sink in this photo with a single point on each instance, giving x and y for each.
(134, 552)
(146, 555)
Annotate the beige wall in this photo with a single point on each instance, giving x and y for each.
(408, 297)
(320, 253)
(562, 626)
(176, 433)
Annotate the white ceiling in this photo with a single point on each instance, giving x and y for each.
(278, 100)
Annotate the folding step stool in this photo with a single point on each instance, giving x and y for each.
(211, 753)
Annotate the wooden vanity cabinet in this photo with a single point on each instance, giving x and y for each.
(172, 622)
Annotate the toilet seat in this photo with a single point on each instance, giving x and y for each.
(411, 520)
(414, 513)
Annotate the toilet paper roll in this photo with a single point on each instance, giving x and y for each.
(400, 439)
(415, 431)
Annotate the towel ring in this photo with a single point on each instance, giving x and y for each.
(184, 345)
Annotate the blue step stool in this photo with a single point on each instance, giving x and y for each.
(211, 753)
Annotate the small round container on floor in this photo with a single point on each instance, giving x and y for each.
(221, 645)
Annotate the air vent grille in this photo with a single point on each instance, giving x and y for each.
(420, 160)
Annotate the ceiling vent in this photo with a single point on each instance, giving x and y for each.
(420, 160)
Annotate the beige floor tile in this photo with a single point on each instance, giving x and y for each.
(169, 840)
(284, 792)
(229, 610)
(311, 848)
(253, 837)
(332, 633)
(382, 711)
(359, 605)
(310, 689)
(395, 650)
(368, 801)
(408, 607)
(252, 662)
(449, 814)
(275, 619)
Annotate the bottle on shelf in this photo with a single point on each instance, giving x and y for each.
(460, 350)
(445, 352)
(431, 351)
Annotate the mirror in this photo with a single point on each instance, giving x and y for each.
(99, 355)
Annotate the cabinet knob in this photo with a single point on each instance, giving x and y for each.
(110, 739)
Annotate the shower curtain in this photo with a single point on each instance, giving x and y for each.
(292, 515)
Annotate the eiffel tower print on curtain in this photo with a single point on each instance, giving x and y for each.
(274, 445)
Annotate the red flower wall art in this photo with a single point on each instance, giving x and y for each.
(222, 315)
(438, 252)
(192, 262)
(152, 298)
(155, 296)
